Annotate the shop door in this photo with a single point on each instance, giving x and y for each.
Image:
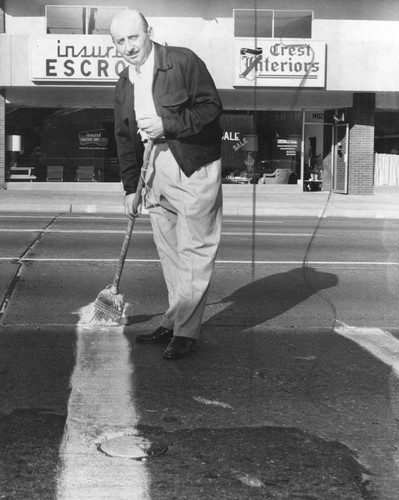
(340, 156)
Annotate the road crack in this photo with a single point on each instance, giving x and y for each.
(20, 264)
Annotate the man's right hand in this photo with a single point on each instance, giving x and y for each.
(132, 204)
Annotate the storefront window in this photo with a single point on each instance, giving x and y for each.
(262, 147)
(77, 20)
(62, 144)
(386, 132)
(260, 23)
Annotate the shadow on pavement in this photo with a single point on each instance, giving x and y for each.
(268, 297)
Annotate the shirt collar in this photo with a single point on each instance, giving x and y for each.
(147, 68)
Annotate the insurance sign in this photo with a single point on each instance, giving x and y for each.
(74, 58)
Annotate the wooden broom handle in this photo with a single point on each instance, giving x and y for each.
(130, 226)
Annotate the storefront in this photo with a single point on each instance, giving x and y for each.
(78, 145)
(295, 111)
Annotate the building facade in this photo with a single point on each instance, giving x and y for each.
(309, 88)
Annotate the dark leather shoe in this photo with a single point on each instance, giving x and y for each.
(161, 336)
(179, 347)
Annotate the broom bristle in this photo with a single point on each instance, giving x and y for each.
(107, 309)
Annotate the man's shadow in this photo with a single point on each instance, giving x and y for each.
(261, 300)
(269, 297)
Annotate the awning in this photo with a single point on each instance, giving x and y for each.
(261, 99)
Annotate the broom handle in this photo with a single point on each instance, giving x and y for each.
(130, 226)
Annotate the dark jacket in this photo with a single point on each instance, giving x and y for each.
(186, 99)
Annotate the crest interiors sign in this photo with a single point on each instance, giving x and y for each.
(280, 63)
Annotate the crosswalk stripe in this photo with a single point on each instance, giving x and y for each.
(101, 405)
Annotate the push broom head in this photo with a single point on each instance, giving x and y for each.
(106, 310)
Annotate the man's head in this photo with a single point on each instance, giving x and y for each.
(132, 36)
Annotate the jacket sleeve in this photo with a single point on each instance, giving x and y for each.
(201, 105)
(129, 169)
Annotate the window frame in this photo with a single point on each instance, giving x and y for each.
(82, 7)
(273, 11)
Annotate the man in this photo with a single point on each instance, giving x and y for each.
(167, 94)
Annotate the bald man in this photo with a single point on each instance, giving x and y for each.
(167, 94)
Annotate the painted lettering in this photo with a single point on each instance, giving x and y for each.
(102, 68)
(240, 144)
(279, 49)
(50, 67)
(68, 65)
(95, 51)
(84, 63)
(231, 136)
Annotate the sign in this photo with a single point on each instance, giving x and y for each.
(288, 146)
(74, 58)
(93, 139)
(314, 116)
(279, 63)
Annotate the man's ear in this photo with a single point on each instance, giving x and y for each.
(150, 32)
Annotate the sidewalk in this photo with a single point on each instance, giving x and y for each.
(238, 200)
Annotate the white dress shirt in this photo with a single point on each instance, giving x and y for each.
(142, 78)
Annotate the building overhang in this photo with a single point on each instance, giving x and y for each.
(261, 99)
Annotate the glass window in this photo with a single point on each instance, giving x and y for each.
(252, 23)
(387, 132)
(289, 24)
(264, 147)
(78, 20)
(63, 144)
(65, 20)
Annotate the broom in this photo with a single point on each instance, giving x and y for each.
(108, 307)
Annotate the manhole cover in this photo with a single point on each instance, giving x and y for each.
(133, 447)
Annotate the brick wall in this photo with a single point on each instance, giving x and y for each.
(361, 144)
(2, 141)
(2, 112)
(327, 152)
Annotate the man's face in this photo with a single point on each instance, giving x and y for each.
(132, 41)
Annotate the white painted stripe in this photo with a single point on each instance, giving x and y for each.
(49, 216)
(73, 231)
(141, 231)
(236, 233)
(16, 230)
(57, 259)
(379, 343)
(101, 405)
(95, 231)
(235, 262)
(385, 347)
(116, 217)
(226, 220)
(145, 219)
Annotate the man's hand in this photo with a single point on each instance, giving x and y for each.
(132, 204)
(152, 126)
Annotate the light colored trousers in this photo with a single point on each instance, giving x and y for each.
(186, 218)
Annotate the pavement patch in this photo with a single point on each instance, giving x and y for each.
(266, 462)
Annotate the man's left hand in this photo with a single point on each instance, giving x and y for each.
(152, 126)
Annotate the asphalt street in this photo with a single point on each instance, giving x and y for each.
(292, 392)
